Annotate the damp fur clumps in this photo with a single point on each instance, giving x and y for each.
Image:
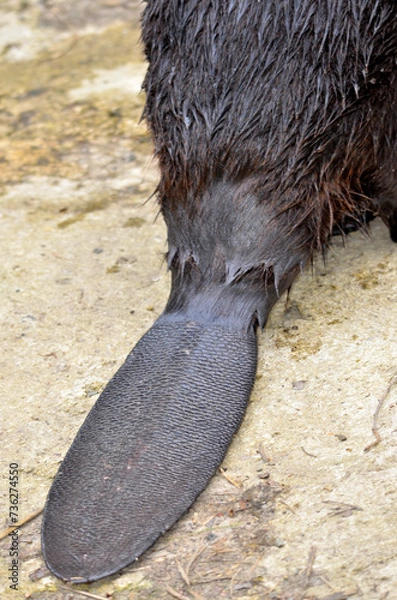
(276, 114)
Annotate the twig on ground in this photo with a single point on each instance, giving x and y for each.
(182, 572)
(331, 587)
(341, 508)
(176, 594)
(309, 453)
(20, 523)
(265, 456)
(375, 431)
(309, 568)
(81, 592)
(199, 550)
(287, 506)
(63, 53)
(228, 478)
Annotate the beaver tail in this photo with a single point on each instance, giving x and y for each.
(148, 447)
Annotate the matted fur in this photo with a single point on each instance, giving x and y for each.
(293, 98)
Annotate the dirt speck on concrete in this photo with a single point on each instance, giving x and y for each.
(300, 510)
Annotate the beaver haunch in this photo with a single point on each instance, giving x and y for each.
(274, 124)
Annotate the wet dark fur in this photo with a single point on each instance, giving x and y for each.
(281, 113)
(274, 124)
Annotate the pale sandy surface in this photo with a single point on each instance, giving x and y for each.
(82, 277)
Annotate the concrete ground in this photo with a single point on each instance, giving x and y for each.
(301, 510)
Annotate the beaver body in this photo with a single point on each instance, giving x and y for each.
(275, 125)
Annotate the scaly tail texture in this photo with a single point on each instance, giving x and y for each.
(148, 447)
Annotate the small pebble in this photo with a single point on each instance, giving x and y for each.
(299, 385)
(279, 542)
